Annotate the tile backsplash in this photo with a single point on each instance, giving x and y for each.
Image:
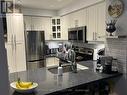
(118, 49)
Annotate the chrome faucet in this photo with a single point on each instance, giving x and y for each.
(69, 57)
(71, 60)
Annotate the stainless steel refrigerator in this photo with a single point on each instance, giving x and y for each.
(35, 45)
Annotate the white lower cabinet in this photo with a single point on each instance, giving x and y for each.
(39, 24)
(52, 61)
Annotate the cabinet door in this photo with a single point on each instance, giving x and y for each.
(37, 23)
(52, 61)
(84, 17)
(47, 28)
(16, 57)
(70, 20)
(79, 19)
(65, 26)
(28, 23)
(20, 57)
(10, 58)
(101, 21)
(18, 27)
(91, 22)
(15, 27)
(10, 27)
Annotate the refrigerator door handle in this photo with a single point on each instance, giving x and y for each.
(12, 43)
(15, 41)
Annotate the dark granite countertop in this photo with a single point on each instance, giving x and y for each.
(50, 83)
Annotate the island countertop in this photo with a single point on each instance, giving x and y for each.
(50, 83)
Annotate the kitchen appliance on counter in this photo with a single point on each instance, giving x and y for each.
(35, 46)
(77, 34)
(106, 62)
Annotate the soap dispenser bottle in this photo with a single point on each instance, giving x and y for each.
(60, 71)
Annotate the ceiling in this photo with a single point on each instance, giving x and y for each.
(46, 4)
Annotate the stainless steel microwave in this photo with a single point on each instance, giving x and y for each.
(77, 34)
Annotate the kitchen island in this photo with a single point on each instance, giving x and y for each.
(52, 84)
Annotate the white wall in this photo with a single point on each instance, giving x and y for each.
(38, 12)
(79, 4)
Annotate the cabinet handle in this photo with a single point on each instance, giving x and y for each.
(15, 42)
(93, 35)
(12, 43)
(96, 36)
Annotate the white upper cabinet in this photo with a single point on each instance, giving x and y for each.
(77, 19)
(47, 28)
(93, 17)
(15, 27)
(38, 24)
(65, 26)
(91, 22)
(96, 22)
(56, 28)
(27, 22)
(101, 25)
(72, 20)
(33, 23)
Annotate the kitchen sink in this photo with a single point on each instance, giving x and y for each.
(67, 68)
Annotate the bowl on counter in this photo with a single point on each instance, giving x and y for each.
(28, 90)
